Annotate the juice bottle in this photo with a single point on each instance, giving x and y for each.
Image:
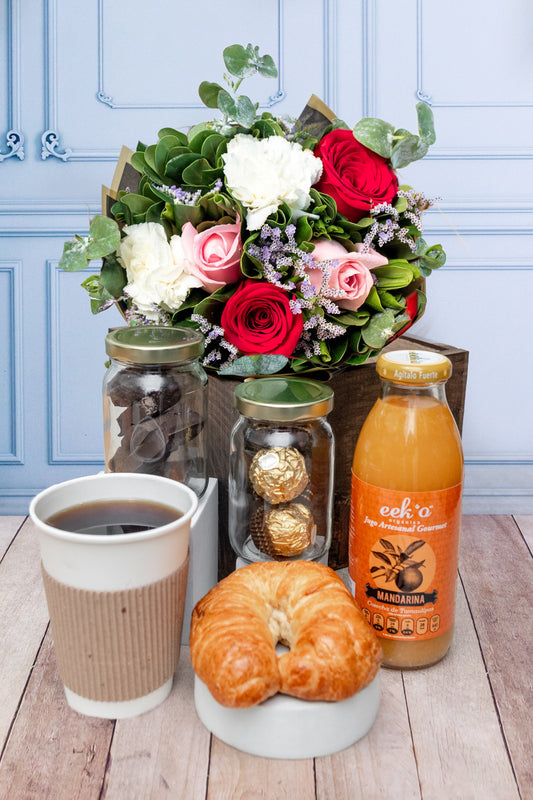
(405, 514)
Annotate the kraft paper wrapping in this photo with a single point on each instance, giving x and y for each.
(117, 646)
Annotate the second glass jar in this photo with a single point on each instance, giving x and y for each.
(281, 470)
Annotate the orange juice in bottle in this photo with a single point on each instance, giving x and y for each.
(405, 515)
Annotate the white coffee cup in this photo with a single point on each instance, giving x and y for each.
(116, 602)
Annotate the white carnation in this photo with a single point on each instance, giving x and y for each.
(264, 173)
(156, 270)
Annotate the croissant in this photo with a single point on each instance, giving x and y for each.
(235, 627)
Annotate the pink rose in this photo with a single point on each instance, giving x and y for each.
(350, 273)
(214, 255)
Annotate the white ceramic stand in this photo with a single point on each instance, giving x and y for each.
(288, 728)
(203, 551)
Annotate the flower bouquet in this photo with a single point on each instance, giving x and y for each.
(288, 243)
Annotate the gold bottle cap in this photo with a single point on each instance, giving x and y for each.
(154, 344)
(414, 367)
(283, 399)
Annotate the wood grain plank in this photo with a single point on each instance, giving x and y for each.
(53, 753)
(9, 527)
(525, 523)
(23, 619)
(382, 765)
(236, 776)
(459, 748)
(497, 571)
(164, 753)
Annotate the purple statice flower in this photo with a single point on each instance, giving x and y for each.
(215, 343)
(180, 196)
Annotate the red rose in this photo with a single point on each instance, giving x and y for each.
(258, 319)
(354, 176)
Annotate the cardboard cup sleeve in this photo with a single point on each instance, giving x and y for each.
(117, 646)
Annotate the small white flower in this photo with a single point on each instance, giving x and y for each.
(155, 268)
(264, 173)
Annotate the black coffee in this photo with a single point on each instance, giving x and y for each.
(112, 517)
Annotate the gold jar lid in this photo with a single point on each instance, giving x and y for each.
(283, 399)
(154, 344)
(414, 367)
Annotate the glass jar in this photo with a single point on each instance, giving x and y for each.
(281, 470)
(406, 510)
(155, 404)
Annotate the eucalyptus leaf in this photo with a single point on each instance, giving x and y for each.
(245, 112)
(376, 134)
(104, 237)
(267, 68)
(256, 365)
(209, 92)
(378, 330)
(410, 148)
(426, 127)
(226, 104)
(74, 256)
(237, 61)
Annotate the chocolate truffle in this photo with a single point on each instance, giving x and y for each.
(278, 474)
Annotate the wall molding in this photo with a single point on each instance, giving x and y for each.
(56, 452)
(14, 135)
(370, 58)
(50, 138)
(104, 97)
(14, 350)
(428, 98)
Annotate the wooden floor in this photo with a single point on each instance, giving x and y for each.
(457, 731)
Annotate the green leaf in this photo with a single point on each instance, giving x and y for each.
(393, 277)
(237, 61)
(226, 104)
(200, 173)
(196, 142)
(352, 318)
(256, 365)
(401, 204)
(267, 67)
(373, 300)
(104, 237)
(388, 300)
(376, 134)
(181, 137)
(209, 92)
(136, 203)
(184, 213)
(408, 149)
(113, 276)
(175, 166)
(426, 127)
(163, 151)
(378, 330)
(245, 112)
(211, 147)
(74, 256)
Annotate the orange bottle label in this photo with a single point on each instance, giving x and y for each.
(403, 553)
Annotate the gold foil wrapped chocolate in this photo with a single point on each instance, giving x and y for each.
(278, 474)
(289, 530)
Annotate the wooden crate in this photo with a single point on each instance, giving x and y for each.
(355, 393)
